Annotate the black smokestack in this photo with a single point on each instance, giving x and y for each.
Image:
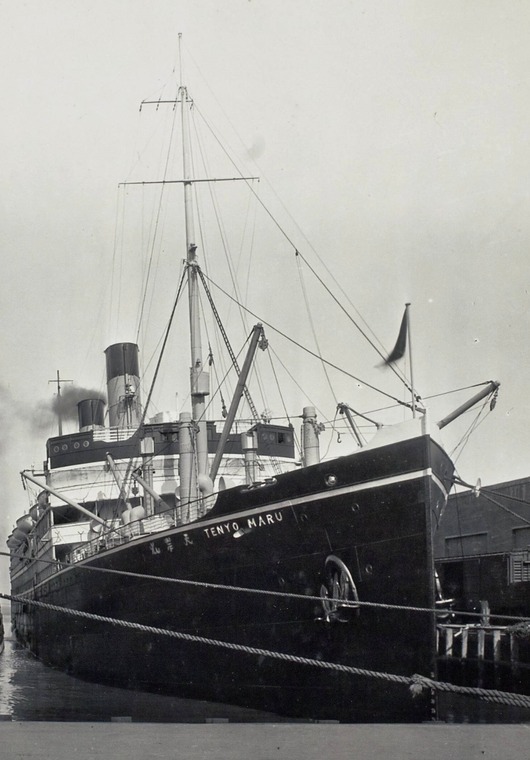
(64, 406)
(123, 385)
(91, 413)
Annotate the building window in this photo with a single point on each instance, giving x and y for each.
(520, 567)
(470, 543)
(521, 537)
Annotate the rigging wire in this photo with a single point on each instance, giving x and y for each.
(217, 213)
(278, 386)
(455, 390)
(308, 351)
(115, 304)
(242, 142)
(202, 239)
(250, 207)
(156, 224)
(223, 379)
(256, 418)
(161, 338)
(162, 350)
(381, 353)
(487, 493)
(230, 266)
(297, 442)
(428, 398)
(295, 382)
(313, 330)
(507, 496)
(299, 256)
(459, 523)
(470, 430)
(225, 245)
(268, 592)
(227, 341)
(157, 369)
(324, 455)
(504, 508)
(211, 363)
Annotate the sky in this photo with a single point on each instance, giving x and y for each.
(391, 138)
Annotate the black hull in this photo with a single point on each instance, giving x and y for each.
(376, 517)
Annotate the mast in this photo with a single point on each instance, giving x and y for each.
(407, 309)
(58, 381)
(199, 380)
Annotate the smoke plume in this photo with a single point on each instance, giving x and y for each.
(62, 406)
(42, 417)
(65, 405)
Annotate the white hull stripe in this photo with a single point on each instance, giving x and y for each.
(331, 493)
(272, 506)
(440, 485)
(287, 503)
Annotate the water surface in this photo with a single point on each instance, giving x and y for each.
(31, 691)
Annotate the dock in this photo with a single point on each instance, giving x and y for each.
(119, 739)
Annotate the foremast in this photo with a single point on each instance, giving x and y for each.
(195, 481)
(199, 379)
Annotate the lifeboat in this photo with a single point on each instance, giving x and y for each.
(25, 524)
(12, 542)
(20, 536)
(34, 512)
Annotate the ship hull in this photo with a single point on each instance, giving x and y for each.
(371, 514)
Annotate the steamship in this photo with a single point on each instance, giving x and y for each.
(237, 562)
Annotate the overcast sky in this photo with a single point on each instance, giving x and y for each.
(396, 133)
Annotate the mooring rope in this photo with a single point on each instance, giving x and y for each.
(416, 683)
(419, 683)
(352, 603)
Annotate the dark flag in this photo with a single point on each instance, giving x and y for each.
(401, 344)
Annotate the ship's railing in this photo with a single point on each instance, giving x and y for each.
(113, 533)
(118, 534)
(113, 434)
